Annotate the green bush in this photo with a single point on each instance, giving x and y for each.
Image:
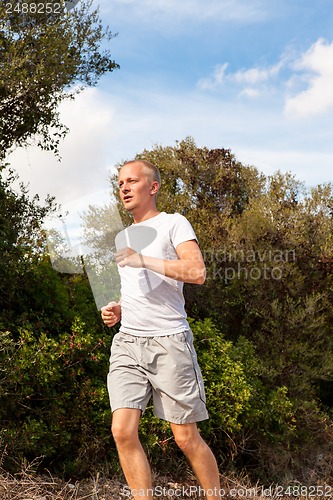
(54, 404)
(54, 400)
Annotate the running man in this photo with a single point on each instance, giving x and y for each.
(152, 355)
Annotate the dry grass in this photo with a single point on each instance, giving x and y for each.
(29, 486)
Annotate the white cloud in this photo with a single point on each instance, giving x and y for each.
(255, 76)
(316, 65)
(313, 69)
(83, 167)
(250, 92)
(216, 80)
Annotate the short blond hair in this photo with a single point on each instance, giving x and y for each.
(154, 173)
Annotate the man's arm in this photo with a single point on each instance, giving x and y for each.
(189, 267)
(111, 313)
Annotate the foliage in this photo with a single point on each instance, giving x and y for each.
(56, 390)
(52, 365)
(42, 55)
(21, 241)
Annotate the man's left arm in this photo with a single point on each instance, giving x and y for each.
(189, 267)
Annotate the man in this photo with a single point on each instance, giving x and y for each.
(153, 354)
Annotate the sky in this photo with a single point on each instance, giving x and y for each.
(252, 76)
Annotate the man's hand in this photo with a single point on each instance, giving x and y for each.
(129, 257)
(111, 313)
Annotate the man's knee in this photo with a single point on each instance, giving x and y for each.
(184, 443)
(124, 427)
(188, 439)
(122, 434)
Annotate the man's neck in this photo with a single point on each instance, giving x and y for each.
(142, 216)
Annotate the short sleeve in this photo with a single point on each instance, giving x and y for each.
(181, 230)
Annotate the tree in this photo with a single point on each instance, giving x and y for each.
(21, 240)
(46, 58)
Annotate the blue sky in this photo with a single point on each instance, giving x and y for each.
(254, 76)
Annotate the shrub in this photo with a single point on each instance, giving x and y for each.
(54, 399)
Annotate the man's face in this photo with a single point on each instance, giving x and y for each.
(134, 186)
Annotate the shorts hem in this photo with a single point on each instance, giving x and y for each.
(120, 406)
(183, 420)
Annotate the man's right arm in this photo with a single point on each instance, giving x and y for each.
(111, 313)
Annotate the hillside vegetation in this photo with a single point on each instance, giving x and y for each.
(262, 324)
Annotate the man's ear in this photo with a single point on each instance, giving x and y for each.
(154, 187)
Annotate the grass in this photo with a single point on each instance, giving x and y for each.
(28, 485)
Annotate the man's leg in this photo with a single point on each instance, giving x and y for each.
(200, 456)
(133, 460)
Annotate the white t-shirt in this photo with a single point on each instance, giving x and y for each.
(151, 303)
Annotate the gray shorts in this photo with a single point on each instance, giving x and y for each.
(163, 367)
